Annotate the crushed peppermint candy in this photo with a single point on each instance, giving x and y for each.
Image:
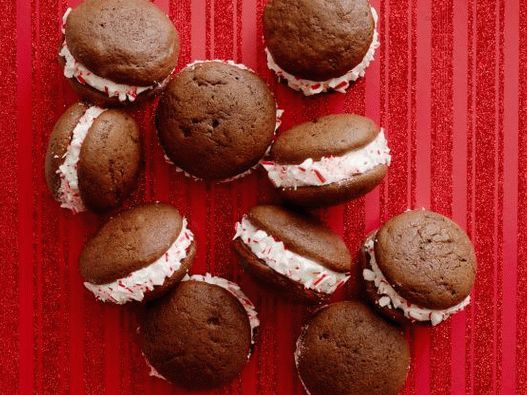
(75, 69)
(339, 84)
(140, 282)
(68, 193)
(330, 169)
(391, 299)
(312, 275)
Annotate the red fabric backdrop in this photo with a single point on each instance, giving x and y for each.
(448, 84)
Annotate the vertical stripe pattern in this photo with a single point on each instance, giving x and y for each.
(449, 85)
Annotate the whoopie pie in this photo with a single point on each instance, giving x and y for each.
(419, 267)
(329, 160)
(201, 334)
(138, 255)
(292, 251)
(320, 45)
(348, 350)
(93, 158)
(118, 51)
(216, 120)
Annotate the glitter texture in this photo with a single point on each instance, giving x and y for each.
(449, 84)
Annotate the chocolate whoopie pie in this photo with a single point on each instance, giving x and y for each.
(216, 120)
(118, 51)
(93, 158)
(320, 45)
(347, 349)
(138, 254)
(200, 335)
(329, 160)
(293, 252)
(419, 267)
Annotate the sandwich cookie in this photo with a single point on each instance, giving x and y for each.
(329, 160)
(347, 349)
(320, 45)
(201, 334)
(216, 120)
(138, 255)
(419, 267)
(118, 51)
(293, 252)
(93, 158)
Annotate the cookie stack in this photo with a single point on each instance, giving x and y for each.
(217, 121)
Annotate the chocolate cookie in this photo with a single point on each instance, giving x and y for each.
(320, 45)
(216, 120)
(138, 254)
(117, 51)
(419, 266)
(346, 349)
(93, 158)
(200, 334)
(329, 160)
(292, 251)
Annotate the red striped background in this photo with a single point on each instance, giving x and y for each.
(449, 84)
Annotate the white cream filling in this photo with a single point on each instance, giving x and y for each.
(139, 282)
(298, 350)
(279, 114)
(152, 371)
(330, 169)
(65, 18)
(391, 299)
(312, 275)
(68, 193)
(339, 84)
(84, 76)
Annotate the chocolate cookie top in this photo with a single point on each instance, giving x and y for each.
(427, 258)
(126, 41)
(198, 335)
(303, 235)
(109, 161)
(216, 120)
(337, 192)
(130, 241)
(58, 144)
(347, 349)
(318, 39)
(332, 135)
(280, 282)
